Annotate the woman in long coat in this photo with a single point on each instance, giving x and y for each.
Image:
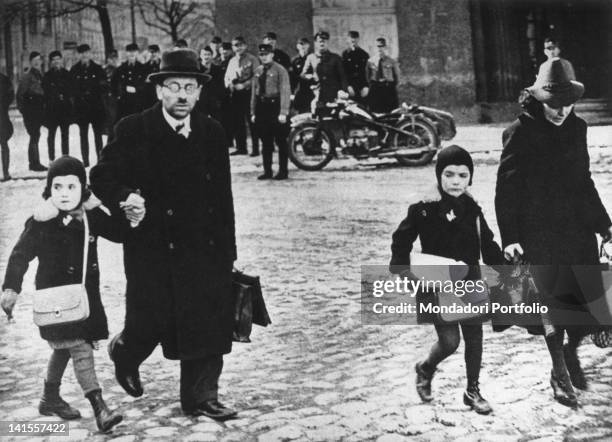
(549, 211)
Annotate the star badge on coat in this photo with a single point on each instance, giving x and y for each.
(450, 216)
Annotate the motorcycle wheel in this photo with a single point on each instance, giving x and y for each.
(302, 149)
(425, 136)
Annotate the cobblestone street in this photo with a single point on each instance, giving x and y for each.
(316, 373)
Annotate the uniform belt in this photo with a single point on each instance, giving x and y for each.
(264, 99)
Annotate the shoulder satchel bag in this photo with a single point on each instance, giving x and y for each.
(67, 303)
(473, 305)
(250, 307)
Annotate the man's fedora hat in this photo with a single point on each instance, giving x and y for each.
(556, 84)
(179, 63)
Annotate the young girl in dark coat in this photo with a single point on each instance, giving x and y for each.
(55, 235)
(446, 226)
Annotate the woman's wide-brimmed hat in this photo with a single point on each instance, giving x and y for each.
(556, 84)
(179, 63)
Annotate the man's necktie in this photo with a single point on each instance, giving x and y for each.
(262, 81)
(379, 72)
(179, 130)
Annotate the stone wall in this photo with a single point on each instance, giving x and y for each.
(436, 54)
(290, 19)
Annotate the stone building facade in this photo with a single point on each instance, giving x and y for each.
(470, 56)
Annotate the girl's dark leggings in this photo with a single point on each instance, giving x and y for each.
(448, 342)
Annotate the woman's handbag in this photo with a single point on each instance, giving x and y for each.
(473, 305)
(250, 307)
(64, 304)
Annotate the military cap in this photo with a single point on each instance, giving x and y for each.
(83, 48)
(265, 49)
(323, 35)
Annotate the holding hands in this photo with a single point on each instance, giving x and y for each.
(134, 208)
(513, 252)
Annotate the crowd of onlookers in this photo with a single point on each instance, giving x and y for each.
(96, 95)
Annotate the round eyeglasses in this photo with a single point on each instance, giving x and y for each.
(175, 88)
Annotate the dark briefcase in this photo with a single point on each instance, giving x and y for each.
(250, 307)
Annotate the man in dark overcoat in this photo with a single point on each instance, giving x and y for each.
(355, 61)
(58, 103)
(179, 255)
(89, 86)
(128, 84)
(31, 104)
(326, 69)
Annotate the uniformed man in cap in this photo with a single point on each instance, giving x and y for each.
(128, 83)
(280, 56)
(31, 104)
(150, 67)
(226, 109)
(167, 171)
(215, 45)
(300, 87)
(238, 78)
(89, 82)
(110, 101)
(383, 75)
(213, 90)
(58, 103)
(355, 60)
(325, 69)
(270, 101)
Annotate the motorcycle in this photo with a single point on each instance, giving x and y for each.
(410, 134)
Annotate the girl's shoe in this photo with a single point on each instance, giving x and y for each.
(51, 404)
(423, 382)
(105, 418)
(563, 391)
(474, 399)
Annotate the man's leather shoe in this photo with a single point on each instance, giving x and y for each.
(239, 152)
(281, 176)
(254, 154)
(214, 410)
(38, 168)
(265, 176)
(128, 377)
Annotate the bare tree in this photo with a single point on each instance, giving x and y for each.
(173, 16)
(12, 9)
